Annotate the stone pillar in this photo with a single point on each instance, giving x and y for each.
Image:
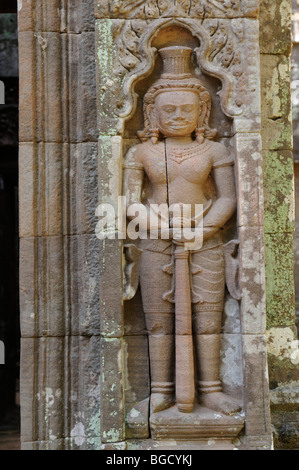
(283, 353)
(59, 254)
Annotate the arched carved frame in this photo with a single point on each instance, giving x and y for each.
(239, 100)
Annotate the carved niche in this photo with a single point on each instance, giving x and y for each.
(174, 280)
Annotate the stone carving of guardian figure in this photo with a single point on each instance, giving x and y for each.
(182, 289)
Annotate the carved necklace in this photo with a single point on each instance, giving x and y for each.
(181, 153)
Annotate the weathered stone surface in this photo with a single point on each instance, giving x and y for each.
(137, 380)
(82, 306)
(279, 210)
(81, 181)
(252, 280)
(152, 9)
(48, 57)
(27, 104)
(279, 276)
(285, 427)
(257, 408)
(42, 361)
(41, 287)
(231, 367)
(81, 109)
(248, 168)
(110, 288)
(27, 191)
(283, 359)
(275, 30)
(46, 309)
(59, 394)
(57, 15)
(112, 406)
(276, 102)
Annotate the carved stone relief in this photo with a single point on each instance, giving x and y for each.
(178, 8)
(224, 51)
(222, 54)
(182, 285)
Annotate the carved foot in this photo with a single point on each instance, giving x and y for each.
(161, 401)
(219, 401)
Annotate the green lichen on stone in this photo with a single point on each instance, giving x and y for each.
(93, 433)
(276, 110)
(280, 297)
(279, 202)
(110, 77)
(275, 26)
(281, 371)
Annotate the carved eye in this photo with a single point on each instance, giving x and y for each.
(188, 109)
(169, 109)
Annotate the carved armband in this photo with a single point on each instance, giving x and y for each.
(229, 161)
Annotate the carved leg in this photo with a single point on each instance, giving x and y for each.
(159, 316)
(207, 328)
(161, 349)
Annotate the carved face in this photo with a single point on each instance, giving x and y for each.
(177, 112)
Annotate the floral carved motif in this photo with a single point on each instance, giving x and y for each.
(221, 53)
(181, 8)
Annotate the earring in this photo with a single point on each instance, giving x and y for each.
(200, 135)
(154, 133)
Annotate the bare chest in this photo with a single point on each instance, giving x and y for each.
(169, 164)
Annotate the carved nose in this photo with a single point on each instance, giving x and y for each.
(178, 116)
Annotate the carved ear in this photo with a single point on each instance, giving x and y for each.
(202, 113)
(151, 114)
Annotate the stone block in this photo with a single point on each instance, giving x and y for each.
(26, 16)
(112, 406)
(77, 16)
(286, 430)
(275, 27)
(110, 74)
(256, 392)
(28, 183)
(27, 103)
(110, 171)
(82, 302)
(49, 388)
(42, 385)
(46, 15)
(110, 290)
(248, 87)
(42, 293)
(279, 192)
(276, 102)
(84, 393)
(248, 168)
(279, 279)
(231, 367)
(41, 190)
(81, 179)
(81, 109)
(252, 280)
(137, 378)
(49, 86)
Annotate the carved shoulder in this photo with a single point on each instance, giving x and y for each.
(221, 156)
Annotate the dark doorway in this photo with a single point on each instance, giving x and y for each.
(9, 269)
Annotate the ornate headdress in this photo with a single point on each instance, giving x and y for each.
(177, 76)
